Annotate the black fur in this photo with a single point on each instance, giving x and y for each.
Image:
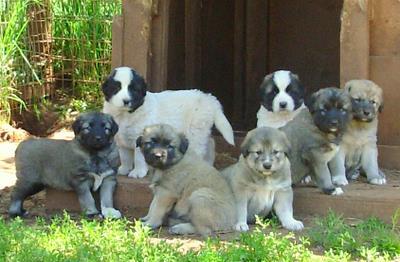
(268, 91)
(94, 136)
(110, 87)
(363, 110)
(330, 109)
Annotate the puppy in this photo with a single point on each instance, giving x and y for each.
(89, 161)
(315, 136)
(282, 98)
(191, 112)
(358, 148)
(261, 180)
(186, 188)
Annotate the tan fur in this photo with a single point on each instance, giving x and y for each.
(358, 148)
(258, 189)
(191, 191)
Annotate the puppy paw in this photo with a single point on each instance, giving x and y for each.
(378, 181)
(182, 229)
(340, 181)
(151, 224)
(241, 227)
(293, 225)
(123, 170)
(306, 180)
(353, 174)
(109, 212)
(144, 219)
(138, 173)
(337, 191)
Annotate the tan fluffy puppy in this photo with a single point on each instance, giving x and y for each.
(186, 188)
(261, 179)
(358, 148)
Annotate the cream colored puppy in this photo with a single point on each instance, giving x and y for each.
(261, 180)
(186, 188)
(358, 148)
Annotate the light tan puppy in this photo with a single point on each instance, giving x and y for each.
(186, 188)
(261, 179)
(358, 148)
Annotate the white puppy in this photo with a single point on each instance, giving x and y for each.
(282, 98)
(191, 112)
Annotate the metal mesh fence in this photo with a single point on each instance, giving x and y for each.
(54, 49)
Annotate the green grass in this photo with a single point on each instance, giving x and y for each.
(63, 239)
(370, 238)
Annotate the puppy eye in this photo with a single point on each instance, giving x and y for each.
(358, 100)
(148, 144)
(276, 152)
(373, 102)
(170, 147)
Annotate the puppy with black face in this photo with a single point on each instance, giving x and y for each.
(87, 162)
(358, 149)
(187, 190)
(315, 136)
(261, 179)
(282, 98)
(191, 112)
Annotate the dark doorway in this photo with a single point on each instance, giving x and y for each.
(226, 47)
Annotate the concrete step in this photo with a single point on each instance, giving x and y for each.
(360, 200)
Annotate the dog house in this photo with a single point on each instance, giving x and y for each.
(226, 47)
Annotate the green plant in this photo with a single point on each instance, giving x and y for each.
(371, 237)
(13, 23)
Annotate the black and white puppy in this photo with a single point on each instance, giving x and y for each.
(282, 98)
(190, 112)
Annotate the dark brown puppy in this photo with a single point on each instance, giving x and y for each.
(315, 135)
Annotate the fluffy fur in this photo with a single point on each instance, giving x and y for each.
(191, 112)
(261, 180)
(282, 98)
(186, 189)
(315, 136)
(87, 162)
(358, 148)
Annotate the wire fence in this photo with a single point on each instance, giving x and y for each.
(55, 50)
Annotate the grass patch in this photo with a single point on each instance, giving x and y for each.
(368, 239)
(63, 239)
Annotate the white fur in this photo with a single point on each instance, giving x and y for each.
(123, 75)
(282, 80)
(189, 111)
(276, 119)
(109, 212)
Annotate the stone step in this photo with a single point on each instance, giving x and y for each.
(360, 200)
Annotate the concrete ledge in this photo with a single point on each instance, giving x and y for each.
(132, 197)
(360, 200)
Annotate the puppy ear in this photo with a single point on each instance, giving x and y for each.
(310, 102)
(140, 83)
(380, 108)
(77, 125)
(287, 146)
(105, 86)
(139, 141)
(244, 147)
(265, 81)
(183, 146)
(114, 126)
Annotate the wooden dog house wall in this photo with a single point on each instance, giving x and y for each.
(227, 46)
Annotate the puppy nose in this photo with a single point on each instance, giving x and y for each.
(282, 104)
(159, 154)
(98, 138)
(366, 113)
(334, 122)
(267, 165)
(126, 102)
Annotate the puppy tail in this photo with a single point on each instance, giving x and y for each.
(224, 127)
